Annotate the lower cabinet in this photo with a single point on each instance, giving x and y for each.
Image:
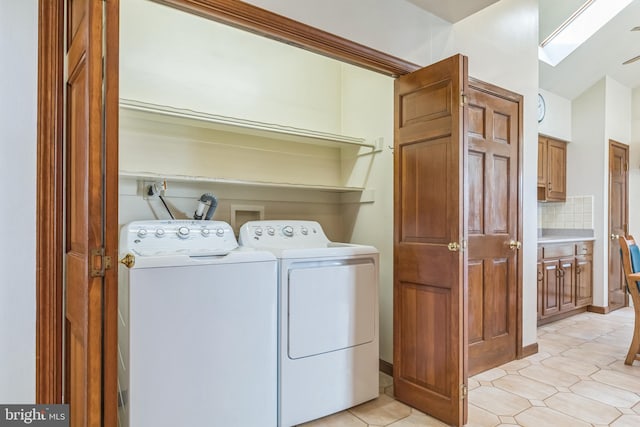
(565, 272)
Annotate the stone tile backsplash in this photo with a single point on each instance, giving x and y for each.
(576, 212)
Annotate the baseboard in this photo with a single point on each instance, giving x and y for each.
(597, 309)
(386, 367)
(562, 315)
(529, 350)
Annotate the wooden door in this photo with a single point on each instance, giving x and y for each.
(430, 325)
(91, 172)
(493, 226)
(556, 170)
(618, 220)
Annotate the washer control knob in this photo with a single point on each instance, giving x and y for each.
(258, 231)
(287, 230)
(271, 231)
(205, 232)
(160, 232)
(142, 232)
(183, 232)
(220, 232)
(304, 230)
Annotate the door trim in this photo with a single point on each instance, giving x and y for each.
(50, 173)
(265, 23)
(519, 99)
(49, 237)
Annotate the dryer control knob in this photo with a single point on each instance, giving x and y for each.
(142, 232)
(271, 231)
(258, 231)
(220, 232)
(160, 232)
(183, 232)
(205, 232)
(287, 230)
(304, 230)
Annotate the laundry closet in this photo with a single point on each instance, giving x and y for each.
(273, 131)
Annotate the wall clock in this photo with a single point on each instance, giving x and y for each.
(542, 108)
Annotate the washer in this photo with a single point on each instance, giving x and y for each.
(198, 327)
(328, 319)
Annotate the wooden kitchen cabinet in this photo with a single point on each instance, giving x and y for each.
(565, 279)
(584, 274)
(552, 169)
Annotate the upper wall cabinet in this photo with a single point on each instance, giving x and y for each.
(552, 169)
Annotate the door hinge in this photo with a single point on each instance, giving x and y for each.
(463, 99)
(99, 262)
(463, 391)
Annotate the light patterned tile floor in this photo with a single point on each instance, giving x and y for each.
(578, 378)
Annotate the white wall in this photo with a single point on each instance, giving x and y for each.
(557, 119)
(18, 83)
(587, 165)
(634, 166)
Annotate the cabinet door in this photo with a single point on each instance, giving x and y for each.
(584, 281)
(542, 161)
(566, 283)
(556, 170)
(550, 300)
(540, 270)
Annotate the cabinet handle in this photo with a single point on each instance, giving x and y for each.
(549, 186)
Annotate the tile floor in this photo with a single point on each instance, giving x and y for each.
(577, 378)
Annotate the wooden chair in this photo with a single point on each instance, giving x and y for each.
(630, 258)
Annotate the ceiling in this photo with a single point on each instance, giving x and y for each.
(601, 55)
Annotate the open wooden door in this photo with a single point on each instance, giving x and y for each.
(91, 173)
(430, 219)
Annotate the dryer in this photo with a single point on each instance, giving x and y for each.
(197, 335)
(328, 318)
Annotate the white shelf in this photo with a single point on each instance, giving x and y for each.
(231, 124)
(186, 178)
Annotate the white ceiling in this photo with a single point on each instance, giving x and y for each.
(601, 55)
(453, 10)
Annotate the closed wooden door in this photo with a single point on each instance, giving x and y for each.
(618, 220)
(90, 306)
(493, 130)
(556, 170)
(551, 288)
(567, 285)
(430, 328)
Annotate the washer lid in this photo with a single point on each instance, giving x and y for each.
(177, 237)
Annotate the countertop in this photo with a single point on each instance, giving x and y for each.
(564, 235)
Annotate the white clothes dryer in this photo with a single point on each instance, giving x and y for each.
(197, 335)
(328, 318)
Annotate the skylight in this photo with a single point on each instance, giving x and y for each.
(584, 23)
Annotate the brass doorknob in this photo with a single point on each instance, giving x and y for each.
(514, 245)
(615, 236)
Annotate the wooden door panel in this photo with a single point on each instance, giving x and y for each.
(556, 169)
(424, 333)
(493, 222)
(430, 330)
(567, 289)
(476, 300)
(550, 301)
(424, 172)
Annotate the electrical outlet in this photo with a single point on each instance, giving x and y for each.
(150, 190)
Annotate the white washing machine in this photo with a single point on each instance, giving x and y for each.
(197, 335)
(328, 318)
